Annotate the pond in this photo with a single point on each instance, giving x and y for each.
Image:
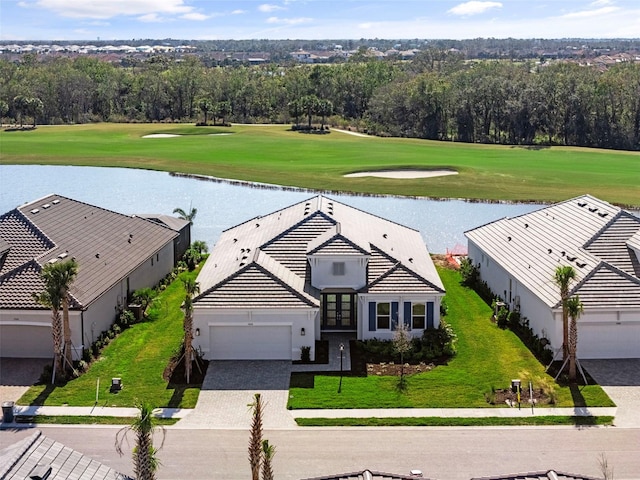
(222, 204)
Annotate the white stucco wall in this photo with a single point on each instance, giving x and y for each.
(297, 319)
(355, 271)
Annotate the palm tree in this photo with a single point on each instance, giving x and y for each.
(574, 309)
(562, 277)
(255, 440)
(58, 278)
(191, 288)
(190, 217)
(145, 462)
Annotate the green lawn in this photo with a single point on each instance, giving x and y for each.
(139, 356)
(451, 421)
(274, 154)
(487, 357)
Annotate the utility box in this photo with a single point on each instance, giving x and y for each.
(7, 412)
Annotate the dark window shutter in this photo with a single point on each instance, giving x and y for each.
(407, 314)
(430, 319)
(372, 316)
(394, 315)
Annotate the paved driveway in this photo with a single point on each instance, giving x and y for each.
(18, 374)
(229, 388)
(621, 380)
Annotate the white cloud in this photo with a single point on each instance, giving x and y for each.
(238, 12)
(289, 21)
(195, 16)
(268, 8)
(150, 18)
(113, 8)
(600, 3)
(474, 8)
(591, 13)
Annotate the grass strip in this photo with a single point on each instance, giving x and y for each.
(76, 420)
(452, 421)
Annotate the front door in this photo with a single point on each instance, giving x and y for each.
(339, 311)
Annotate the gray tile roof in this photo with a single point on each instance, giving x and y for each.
(543, 475)
(19, 460)
(174, 223)
(367, 475)
(586, 233)
(107, 246)
(280, 242)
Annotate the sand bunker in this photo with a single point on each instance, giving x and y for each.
(161, 135)
(404, 173)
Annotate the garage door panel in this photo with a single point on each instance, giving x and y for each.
(26, 341)
(250, 342)
(608, 341)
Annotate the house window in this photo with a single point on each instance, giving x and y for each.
(418, 316)
(384, 316)
(338, 269)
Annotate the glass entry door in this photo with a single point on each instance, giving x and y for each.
(339, 311)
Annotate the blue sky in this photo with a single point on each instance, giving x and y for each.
(316, 19)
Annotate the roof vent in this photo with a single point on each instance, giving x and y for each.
(63, 255)
(40, 472)
(508, 239)
(582, 204)
(411, 259)
(46, 205)
(526, 225)
(571, 259)
(603, 214)
(562, 253)
(56, 201)
(235, 240)
(581, 265)
(257, 225)
(53, 260)
(98, 255)
(35, 210)
(594, 209)
(549, 250)
(384, 235)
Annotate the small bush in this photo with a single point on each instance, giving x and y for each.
(502, 318)
(305, 354)
(444, 308)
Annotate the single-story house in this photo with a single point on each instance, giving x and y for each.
(39, 457)
(517, 257)
(274, 284)
(116, 255)
(183, 227)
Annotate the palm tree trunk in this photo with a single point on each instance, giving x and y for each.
(68, 357)
(56, 332)
(565, 326)
(573, 347)
(188, 339)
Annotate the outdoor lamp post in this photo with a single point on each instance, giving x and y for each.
(341, 347)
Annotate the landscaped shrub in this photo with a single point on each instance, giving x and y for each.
(502, 317)
(444, 308)
(305, 354)
(435, 344)
(469, 272)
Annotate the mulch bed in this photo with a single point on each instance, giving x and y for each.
(174, 373)
(396, 369)
(508, 397)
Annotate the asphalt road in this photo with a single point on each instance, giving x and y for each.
(441, 453)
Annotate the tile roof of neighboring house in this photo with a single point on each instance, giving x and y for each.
(23, 459)
(368, 475)
(279, 243)
(544, 475)
(174, 223)
(586, 233)
(107, 246)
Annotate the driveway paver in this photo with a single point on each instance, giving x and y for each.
(620, 378)
(229, 388)
(18, 374)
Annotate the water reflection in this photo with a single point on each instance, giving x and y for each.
(222, 205)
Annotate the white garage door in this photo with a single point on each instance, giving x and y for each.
(250, 342)
(608, 341)
(26, 341)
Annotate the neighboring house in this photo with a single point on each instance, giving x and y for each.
(38, 457)
(518, 257)
(116, 255)
(183, 241)
(275, 283)
(544, 475)
(370, 475)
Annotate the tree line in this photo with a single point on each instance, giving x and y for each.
(438, 95)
